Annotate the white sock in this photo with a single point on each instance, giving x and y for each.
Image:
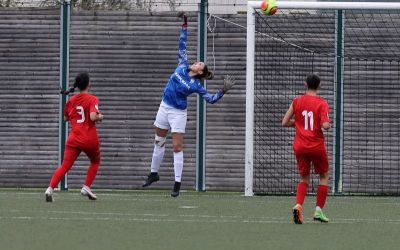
(178, 165)
(49, 190)
(318, 209)
(158, 155)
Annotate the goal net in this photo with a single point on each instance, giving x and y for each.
(355, 49)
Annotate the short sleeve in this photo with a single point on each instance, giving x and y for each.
(294, 102)
(324, 113)
(94, 105)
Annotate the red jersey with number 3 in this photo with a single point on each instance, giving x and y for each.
(78, 109)
(310, 113)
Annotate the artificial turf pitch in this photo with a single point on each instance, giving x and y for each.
(154, 220)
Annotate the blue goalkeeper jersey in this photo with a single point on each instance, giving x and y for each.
(180, 85)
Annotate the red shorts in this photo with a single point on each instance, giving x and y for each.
(90, 147)
(319, 158)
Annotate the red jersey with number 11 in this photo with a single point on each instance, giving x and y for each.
(78, 109)
(310, 113)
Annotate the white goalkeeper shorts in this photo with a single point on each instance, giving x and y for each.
(171, 118)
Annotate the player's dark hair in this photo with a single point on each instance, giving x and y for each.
(208, 75)
(81, 82)
(313, 81)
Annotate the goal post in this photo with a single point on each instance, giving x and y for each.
(250, 50)
(338, 60)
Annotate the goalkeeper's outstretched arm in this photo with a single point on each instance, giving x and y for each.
(228, 84)
(182, 52)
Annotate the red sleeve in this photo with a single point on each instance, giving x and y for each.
(94, 105)
(324, 113)
(294, 102)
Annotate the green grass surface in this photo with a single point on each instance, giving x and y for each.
(153, 220)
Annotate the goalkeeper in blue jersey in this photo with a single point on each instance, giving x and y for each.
(172, 113)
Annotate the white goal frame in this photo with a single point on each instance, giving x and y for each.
(252, 6)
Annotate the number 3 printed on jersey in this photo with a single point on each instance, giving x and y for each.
(306, 120)
(82, 113)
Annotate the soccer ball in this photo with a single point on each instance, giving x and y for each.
(269, 7)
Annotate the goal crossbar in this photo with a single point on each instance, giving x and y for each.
(330, 5)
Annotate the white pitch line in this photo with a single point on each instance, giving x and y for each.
(191, 195)
(210, 216)
(144, 197)
(189, 207)
(200, 216)
(79, 197)
(87, 213)
(136, 196)
(149, 215)
(201, 220)
(135, 219)
(104, 213)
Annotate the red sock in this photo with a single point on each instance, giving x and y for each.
(70, 155)
(322, 193)
(58, 174)
(91, 173)
(301, 192)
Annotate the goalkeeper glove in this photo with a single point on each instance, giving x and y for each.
(184, 17)
(229, 81)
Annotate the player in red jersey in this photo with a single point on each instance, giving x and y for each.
(311, 114)
(82, 111)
